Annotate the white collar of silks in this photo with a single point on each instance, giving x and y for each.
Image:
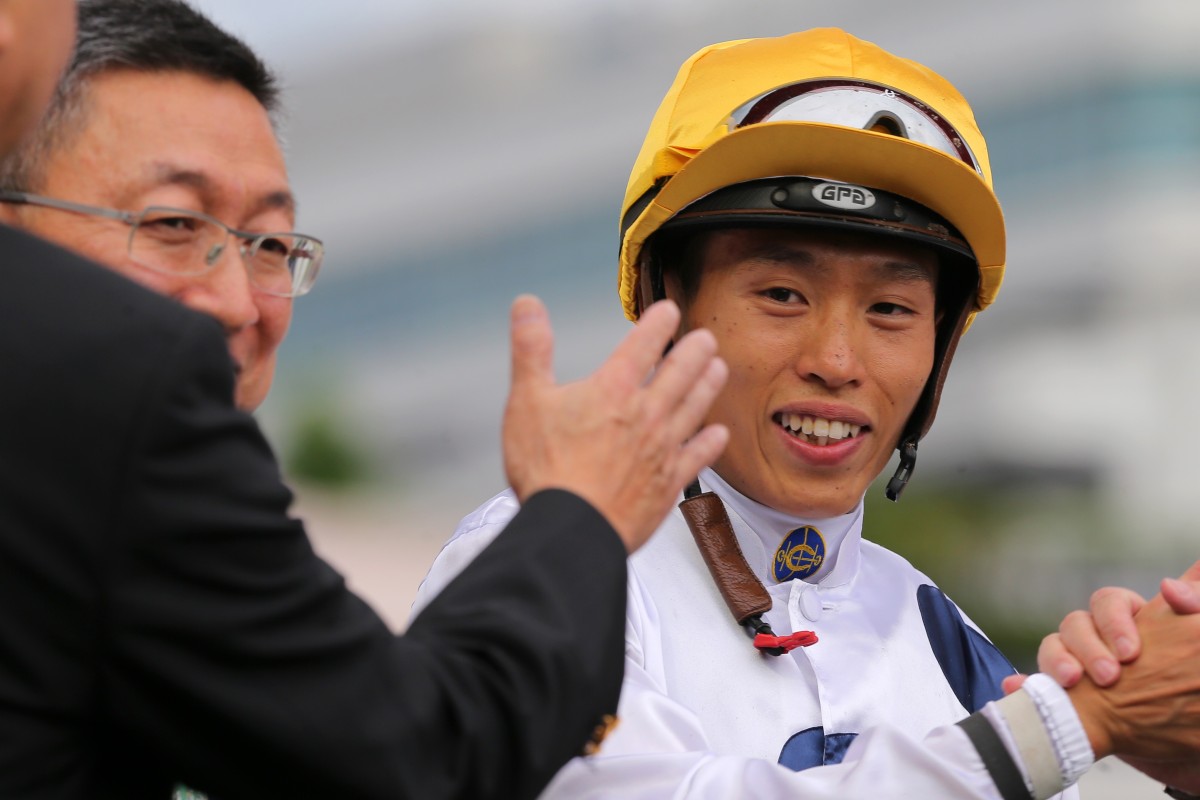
(823, 551)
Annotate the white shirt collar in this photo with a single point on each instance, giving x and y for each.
(842, 534)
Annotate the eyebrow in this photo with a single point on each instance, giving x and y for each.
(164, 173)
(905, 272)
(780, 253)
(896, 269)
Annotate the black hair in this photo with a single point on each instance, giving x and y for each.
(140, 35)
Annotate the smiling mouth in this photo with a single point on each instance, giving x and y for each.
(817, 430)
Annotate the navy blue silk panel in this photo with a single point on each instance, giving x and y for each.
(812, 748)
(972, 665)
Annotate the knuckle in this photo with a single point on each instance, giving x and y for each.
(1048, 651)
(1073, 620)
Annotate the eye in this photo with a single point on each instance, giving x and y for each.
(274, 247)
(890, 309)
(782, 295)
(174, 224)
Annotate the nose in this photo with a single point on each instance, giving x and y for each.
(829, 354)
(225, 291)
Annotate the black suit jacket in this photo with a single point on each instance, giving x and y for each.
(162, 619)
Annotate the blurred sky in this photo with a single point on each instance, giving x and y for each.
(292, 34)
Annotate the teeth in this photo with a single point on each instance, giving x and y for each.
(821, 430)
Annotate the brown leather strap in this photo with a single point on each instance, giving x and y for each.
(709, 523)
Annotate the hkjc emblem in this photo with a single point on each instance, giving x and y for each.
(800, 554)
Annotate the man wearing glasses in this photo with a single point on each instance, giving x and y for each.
(163, 163)
(163, 619)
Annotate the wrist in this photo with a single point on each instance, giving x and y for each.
(1060, 720)
(1089, 704)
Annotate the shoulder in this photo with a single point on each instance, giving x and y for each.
(878, 560)
(95, 354)
(474, 533)
(46, 278)
(892, 572)
(496, 512)
(75, 321)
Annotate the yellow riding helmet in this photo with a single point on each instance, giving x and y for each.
(821, 128)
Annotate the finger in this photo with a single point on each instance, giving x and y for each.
(1112, 613)
(1181, 596)
(1013, 682)
(686, 417)
(695, 406)
(699, 452)
(532, 343)
(1055, 660)
(643, 347)
(679, 373)
(1082, 642)
(1178, 595)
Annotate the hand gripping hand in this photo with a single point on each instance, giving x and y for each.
(627, 438)
(1150, 714)
(1098, 641)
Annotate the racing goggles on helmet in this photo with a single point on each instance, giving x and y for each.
(856, 104)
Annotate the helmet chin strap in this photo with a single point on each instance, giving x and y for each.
(908, 462)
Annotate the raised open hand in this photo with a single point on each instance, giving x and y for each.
(628, 437)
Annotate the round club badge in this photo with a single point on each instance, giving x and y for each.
(800, 554)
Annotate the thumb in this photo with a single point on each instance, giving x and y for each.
(1183, 595)
(1011, 683)
(532, 342)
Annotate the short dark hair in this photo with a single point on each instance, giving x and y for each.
(141, 35)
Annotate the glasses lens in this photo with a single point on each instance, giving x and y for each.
(172, 241)
(284, 264)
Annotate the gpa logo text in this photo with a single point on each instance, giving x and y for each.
(844, 196)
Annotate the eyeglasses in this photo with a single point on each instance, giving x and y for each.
(857, 104)
(172, 241)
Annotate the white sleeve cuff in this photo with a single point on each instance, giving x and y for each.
(1071, 745)
(1042, 732)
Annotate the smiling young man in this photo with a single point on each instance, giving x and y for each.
(826, 210)
(158, 142)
